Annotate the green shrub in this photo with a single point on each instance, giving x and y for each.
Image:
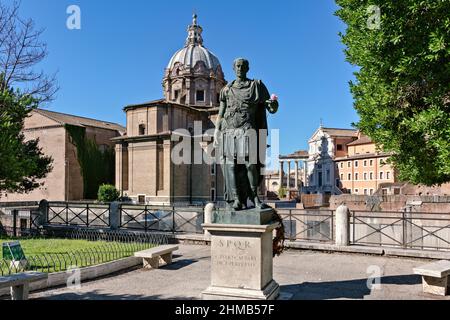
(107, 193)
(282, 192)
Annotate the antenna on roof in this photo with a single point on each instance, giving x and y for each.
(321, 122)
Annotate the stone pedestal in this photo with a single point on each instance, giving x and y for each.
(241, 262)
(437, 286)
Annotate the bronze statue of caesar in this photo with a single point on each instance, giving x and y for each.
(238, 137)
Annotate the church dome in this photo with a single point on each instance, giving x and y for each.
(194, 76)
(189, 57)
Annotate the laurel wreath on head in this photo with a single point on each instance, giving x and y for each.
(278, 241)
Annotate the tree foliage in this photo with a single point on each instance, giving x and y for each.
(97, 165)
(282, 192)
(22, 163)
(22, 89)
(402, 87)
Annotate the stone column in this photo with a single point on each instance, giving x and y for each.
(288, 174)
(296, 175)
(342, 226)
(305, 174)
(114, 215)
(209, 208)
(280, 182)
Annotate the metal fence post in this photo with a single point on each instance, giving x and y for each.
(87, 215)
(15, 212)
(292, 236)
(67, 213)
(332, 226)
(173, 220)
(145, 218)
(354, 227)
(404, 228)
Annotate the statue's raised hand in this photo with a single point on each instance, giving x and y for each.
(272, 106)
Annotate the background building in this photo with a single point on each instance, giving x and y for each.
(364, 169)
(325, 146)
(82, 152)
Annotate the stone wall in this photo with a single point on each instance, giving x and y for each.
(52, 140)
(396, 203)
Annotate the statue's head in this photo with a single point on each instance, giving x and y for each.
(241, 66)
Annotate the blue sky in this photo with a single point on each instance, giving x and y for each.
(119, 55)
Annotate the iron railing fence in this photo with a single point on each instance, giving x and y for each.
(20, 222)
(131, 217)
(116, 236)
(78, 214)
(56, 262)
(308, 225)
(408, 230)
(109, 246)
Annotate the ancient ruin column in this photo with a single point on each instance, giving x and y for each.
(296, 175)
(280, 182)
(288, 174)
(305, 174)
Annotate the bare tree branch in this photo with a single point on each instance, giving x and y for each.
(21, 50)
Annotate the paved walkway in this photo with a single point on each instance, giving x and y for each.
(303, 274)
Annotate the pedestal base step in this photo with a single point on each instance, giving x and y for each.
(270, 292)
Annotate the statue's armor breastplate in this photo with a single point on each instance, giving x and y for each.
(240, 116)
(241, 110)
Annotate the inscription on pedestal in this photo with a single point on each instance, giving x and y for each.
(236, 262)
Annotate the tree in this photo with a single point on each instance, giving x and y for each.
(21, 50)
(402, 87)
(107, 193)
(22, 163)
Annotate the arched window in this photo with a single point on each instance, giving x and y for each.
(142, 129)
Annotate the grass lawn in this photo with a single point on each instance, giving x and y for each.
(52, 255)
(40, 246)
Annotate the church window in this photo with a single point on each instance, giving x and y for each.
(213, 194)
(200, 97)
(340, 147)
(218, 98)
(142, 129)
(176, 95)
